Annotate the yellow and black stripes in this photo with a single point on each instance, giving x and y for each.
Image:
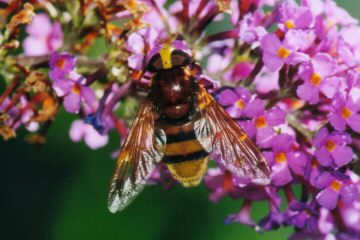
(182, 145)
(183, 158)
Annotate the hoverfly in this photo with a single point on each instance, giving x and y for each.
(180, 124)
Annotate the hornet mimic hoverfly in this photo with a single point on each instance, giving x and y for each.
(180, 124)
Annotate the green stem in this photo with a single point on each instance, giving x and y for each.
(292, 121)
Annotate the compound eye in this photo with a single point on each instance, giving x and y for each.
(180, 58)
(155, 63)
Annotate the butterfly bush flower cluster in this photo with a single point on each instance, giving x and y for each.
(288, 72)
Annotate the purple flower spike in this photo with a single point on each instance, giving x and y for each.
(44, 37)
(333, 187)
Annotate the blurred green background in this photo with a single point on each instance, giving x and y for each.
(59, 192)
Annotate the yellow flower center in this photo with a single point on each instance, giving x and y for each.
(260, 122)
(280, 157)
(315, 79)
(76, 89)
(60, 63)
(330, 145)
(345, 113)
(336, 185)
(289, 24)
(283, 52)
(240, 103)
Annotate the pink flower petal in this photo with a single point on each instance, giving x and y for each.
(72, 102)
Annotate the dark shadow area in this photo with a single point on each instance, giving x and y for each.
(32, 179)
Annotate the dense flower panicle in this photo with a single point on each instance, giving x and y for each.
(288, 72)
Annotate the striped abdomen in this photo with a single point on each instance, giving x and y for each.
(184, 156)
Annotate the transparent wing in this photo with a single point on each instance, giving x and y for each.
(138, 158)
(238, 153)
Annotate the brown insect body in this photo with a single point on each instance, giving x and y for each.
(180, 124)
(173, 93)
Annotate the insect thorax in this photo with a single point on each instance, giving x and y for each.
(173, 92)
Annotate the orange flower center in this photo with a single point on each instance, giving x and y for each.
(330, 145)
(289, 24)
(280, 157)
(314, 163)
(297, 103)
(260, 122)
(131, 4)
(60, 63)
(228, 182)
(240, 103)
(76, 89)
(336, 185)
(345, 113)
(307, 211)
(283, 52)
(315, 79)
(48, 102)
